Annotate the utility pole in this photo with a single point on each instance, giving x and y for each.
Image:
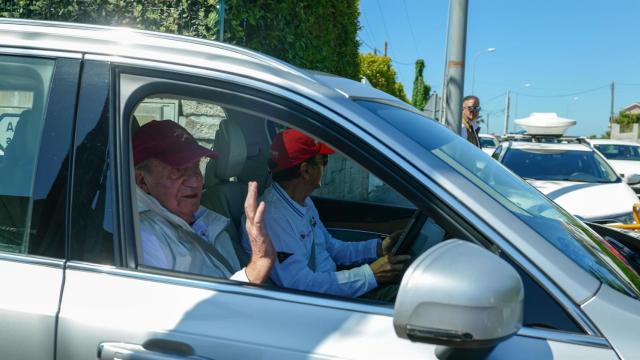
(454, 71)
(385, 48)
(506, 113)
(613, 93)
(221, 19)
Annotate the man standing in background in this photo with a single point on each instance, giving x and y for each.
(470, 110)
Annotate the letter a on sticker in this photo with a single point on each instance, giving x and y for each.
(10, 127)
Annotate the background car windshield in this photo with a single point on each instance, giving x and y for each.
(619, 152)
(562, 165)
(487, 143)
(586, 248)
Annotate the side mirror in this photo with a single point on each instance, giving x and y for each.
(632, 179)
(460, 295)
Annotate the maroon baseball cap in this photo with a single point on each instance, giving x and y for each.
(291, 147)
(169, 142)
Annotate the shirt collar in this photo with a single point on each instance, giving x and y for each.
(294, 206)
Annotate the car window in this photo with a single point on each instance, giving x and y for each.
(619, 152)
(24, 93)
(557, 164)
(344, 179)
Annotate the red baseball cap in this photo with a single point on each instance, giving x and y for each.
(169, 142)
(291, 147)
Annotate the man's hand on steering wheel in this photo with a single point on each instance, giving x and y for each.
(385, 246)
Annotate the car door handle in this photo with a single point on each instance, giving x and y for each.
(154, 349)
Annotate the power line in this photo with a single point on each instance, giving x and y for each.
(366, 44)
(384, 24)
(563, 95)
(415, 43)
(402, 63)
(368, 29)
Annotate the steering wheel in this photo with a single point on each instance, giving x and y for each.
(403, 244)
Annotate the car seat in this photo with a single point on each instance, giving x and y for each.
(222, 192)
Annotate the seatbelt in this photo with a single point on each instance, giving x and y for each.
(312, 258)
(213, 252)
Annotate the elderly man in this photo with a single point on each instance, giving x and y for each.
(306, 253)
(177, 233)
(470, 111)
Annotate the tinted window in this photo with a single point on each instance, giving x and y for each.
(619, 152)
(24, 92)
(587, 249)
(555, 164)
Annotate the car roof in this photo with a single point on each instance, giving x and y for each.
(613, 142)
(547, 146)
(181, 50)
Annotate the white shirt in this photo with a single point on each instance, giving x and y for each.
(294, 228)
(168, 243)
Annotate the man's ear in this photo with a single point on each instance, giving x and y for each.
(304, 170)
(141, 181)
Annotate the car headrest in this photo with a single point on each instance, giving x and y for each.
(231, 147)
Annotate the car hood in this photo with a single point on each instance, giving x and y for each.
(591, 201)
(626, 167)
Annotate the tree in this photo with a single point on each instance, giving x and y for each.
(626, 120)
(420, 89)
(379, 72)
(313, 34)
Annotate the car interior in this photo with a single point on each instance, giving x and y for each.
(351, 212)
(354, 203)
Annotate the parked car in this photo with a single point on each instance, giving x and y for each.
(624, 157)
(573, 175)
(499, 271)
(489, 143)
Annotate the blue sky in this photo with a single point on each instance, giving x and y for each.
(554, 55)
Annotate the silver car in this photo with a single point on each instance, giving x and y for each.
(498, 271)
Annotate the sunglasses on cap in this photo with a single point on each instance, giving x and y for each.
(473, 108)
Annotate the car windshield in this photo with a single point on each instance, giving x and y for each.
(487, 142)
(560, 165)
(619, 152)
(571, 236)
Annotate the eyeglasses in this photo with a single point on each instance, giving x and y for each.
(473, 108)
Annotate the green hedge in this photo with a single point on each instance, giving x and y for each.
(318, 35)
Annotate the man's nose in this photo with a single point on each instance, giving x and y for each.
(194, 177)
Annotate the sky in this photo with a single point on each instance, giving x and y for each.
(553, 55)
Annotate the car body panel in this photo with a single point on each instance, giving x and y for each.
(616, 316)
(28, 307)
(590, 201)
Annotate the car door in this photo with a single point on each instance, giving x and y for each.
(112, 305)
(36, 120)
(115, 307)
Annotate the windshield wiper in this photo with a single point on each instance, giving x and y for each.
(571, 179)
